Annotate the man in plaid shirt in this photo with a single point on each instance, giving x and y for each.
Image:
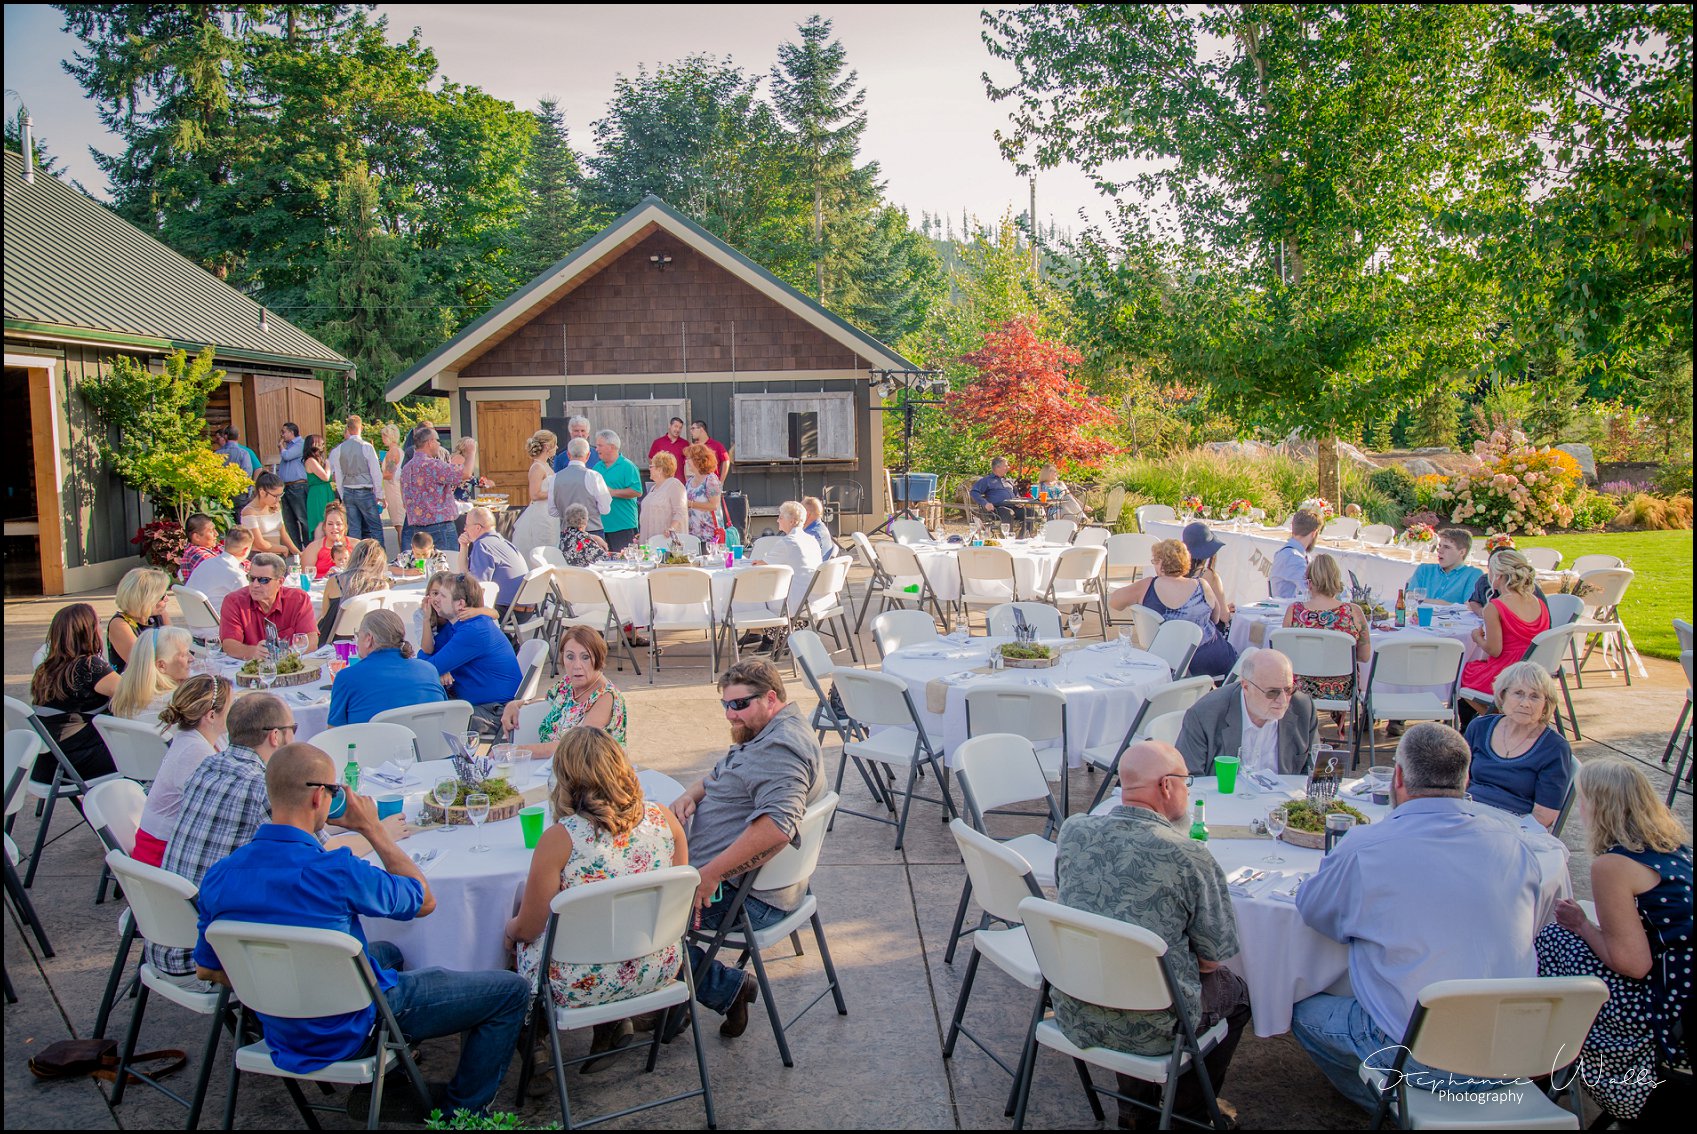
(203, 544)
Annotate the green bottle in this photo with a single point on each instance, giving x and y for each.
(350, 773)
(1198, 826)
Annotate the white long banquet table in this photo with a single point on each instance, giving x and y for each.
(1282, 960)
(476, 892)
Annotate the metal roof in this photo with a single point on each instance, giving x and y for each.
(75, 269)
(650, 209)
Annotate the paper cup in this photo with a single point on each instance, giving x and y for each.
(1225, 768)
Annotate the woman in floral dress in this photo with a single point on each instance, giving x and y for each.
(1324, 610)
(701, 491)
(603, 828)
(583, 697)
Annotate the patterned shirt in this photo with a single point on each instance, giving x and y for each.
(427, 490)
(1134, 866)
(193, 556)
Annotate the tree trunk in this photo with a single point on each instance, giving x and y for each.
(1326, 456)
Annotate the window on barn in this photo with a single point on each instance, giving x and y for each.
(763, 423)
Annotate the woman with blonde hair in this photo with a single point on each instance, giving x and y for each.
(391, 461)
(198, 709)
(665, 509)
(1324, 610)
(158, 664)
(142, 595)
(1512, 620)
(1521, 764)
(535, 527)
(1172, 594)
(1640, 943)
(602, 828)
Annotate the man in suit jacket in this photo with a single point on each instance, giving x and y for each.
(1261, 718)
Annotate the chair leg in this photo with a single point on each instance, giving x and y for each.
(795, 943)
(41, 832)
(119, 964)
(1028, 1062)
(100, 888)
(235, 1076)
(208, 1057)
(129, 1048)
(15, 891)
(700, 1053)
(305, 1107)
(527, 1048)
(1567, 695)
(960, 1005)
(907, 802)
(1089, 1089)
(560, 1071)
(960, 921)
(1673, 737)
(771, 1006)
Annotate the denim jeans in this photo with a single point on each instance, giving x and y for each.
(364, 521)
(443, 534)
(294, 513)
(719, 985)
(488, 1007)
(1340, 1036)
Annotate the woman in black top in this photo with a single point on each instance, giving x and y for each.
(72, 684)
(143, 593)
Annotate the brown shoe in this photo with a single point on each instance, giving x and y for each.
(736, 1016)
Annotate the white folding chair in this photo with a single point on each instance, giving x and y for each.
(22, 747)
(1145, 624)
(113, 809)
(1681, 728)
(815, 663)
(877, 583)
(764, 548)
(1129, 553)
(1175, 643)
(1113, 506)
(1171, 698)
(909, 532)
(1114, 965)
(1601, 621)
(876, 699)
(680, 600)
(137, 747)
(162, 912)
(789, 867)
(532, 657)
(546, 556)
(1409, 661)
(609, 923)
(823, 608)
(351, 611)
(1564, 608)
(428, 722)
(1549, 649)
(1057, 531)
(1682, 633)
(585, 601)
(1000, 878)
(1091, 537)
(1521, 1028)
(371, 744)
(999, 620)
(897, 628)
(1379, 535)
(1543, 558)
(1319, 653)
(757, 602)
(196, 613)
(1594, 562)
(1165, 727)
(297, 973)
(528, 730)
(1077, 581)
(986, 578)
(1156, 512)
(531, 613)
(1035, 713)
(1344, 527)
(905, 569)
(997, 770)
(66, 783)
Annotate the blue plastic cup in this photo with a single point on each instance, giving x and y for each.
(1425, 615)
(736, 551)
(390, 804)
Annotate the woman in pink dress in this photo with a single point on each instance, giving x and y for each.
(1512, 620)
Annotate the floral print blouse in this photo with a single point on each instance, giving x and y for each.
(565, 711)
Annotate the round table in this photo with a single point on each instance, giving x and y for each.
(1252, 625)
(1104, 684)
(1282, 960)
(475, 892)
(1033, 566)
(627, 586)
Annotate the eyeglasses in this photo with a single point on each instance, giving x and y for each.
(1189, 778)
(738, 704)
(290, 727)
(262, 579)
(335, 790)
(1274, 693)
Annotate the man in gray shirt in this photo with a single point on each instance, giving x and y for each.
(577, 483)
(746, 810)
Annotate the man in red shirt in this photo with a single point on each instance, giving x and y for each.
(698, 434)
(264, 609)
(673, 442)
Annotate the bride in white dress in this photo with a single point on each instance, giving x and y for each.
(536, 528)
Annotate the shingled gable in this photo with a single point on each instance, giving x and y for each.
(649, 216)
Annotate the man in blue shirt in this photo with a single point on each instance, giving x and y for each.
(388, 676)
(240, 456)
(996, 494)
(1289, 577)
(1441, 889)
(816, 527)
(284, 877)
(484, 555)
(476, 661)
(577, 427)
(1450, 579)
(291, 466)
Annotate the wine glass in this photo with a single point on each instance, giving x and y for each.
(300, 643)
(1277, 818)
(477, 810)
(1006, 530)
(405, 757)
(444, 792)
(267, 672)
(471, 738)
(1075, 621)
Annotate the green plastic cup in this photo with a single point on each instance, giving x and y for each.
(1225, 768)
(530, 822)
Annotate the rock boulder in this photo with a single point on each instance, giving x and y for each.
(1581, 452)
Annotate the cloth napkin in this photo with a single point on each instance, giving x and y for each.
(305, 697)
(942, 654)
(1252, 881)
(393, 773)
(937, 690)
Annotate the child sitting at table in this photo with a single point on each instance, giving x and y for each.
(423, 547)
(339, 557)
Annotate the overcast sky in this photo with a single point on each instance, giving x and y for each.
(930, 126)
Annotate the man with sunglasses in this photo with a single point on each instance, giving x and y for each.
(1261, 719)
(747, 809)
(265, 609)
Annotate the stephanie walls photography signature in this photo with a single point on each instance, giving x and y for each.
(1562, 1075)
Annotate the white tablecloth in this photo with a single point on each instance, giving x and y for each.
(1033, 566)
(1246, 560)
(1252, 624)
(627, 584)
(1104, 687)
(475, 892)
(1283, 960)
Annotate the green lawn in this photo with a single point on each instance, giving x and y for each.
(1661, 585)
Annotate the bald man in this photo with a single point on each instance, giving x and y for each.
(284, 877)
(1261, 718)
(1138, 864)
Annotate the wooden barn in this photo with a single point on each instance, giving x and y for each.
(653, 318)
(83, 286)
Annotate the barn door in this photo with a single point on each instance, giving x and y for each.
(272, 401)
(503, 429)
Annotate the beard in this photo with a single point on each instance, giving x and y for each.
(741, 733)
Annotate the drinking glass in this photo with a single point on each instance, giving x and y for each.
(444, 792)
(502, 754)
(1276, 821)
(267, 672)
(471, 738)
(477, 810)
(937, 535)
(300, 642)
(1075, 621)
(405, 757)
(1006, 531)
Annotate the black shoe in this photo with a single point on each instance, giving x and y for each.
(607, 1038)
(736, 1016)
(750, 638)
(400, 1102)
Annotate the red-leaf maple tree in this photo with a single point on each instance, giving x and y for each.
(1025, 400)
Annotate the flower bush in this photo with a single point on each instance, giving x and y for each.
(1426, 489)
(1419, 533)
(1517, 486)
(162, 544)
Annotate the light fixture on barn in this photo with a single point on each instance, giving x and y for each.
(660, 261)
(918, 388)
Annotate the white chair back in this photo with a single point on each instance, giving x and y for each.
(428, 723)
(1000, 620)
(897, 628)
(1344, 527)
(909, 531)
(1026, 710)
(375, 743)
(1549, 648)
(1057, 531)
(754, 587)
(528, 730)
(1506, 1029)
(1594, 562)
(289, 970)
(353, 609)
(1380, 534)
(874, 698)
(1418, 661)
(1543, 558)
(538, 584)
(1128, 551)
(1170, 698)
(987, 573)
(809, 649)
(583, 590)
(198, 617)
(680, 597)
(998, 873)
(863, 550)
(829, 581)
(1145, 624)
(22, 747)
(796, 862)
(1164, 728)
(614, 920)
(161, 902)
(1000, 768)
(1078, 565)
(1112, 964)
(1174, 643)
(1315, 653)
(901, 565)
(1148, 512)
(765, 547)
(491, 592)
(1092, 537)
(1564, 608)
(113, 808)
(546, 556)
(137, 747)
(1608, 587)
(1682, 633)
(533, 656)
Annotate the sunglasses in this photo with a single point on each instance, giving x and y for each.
(1276, 692)
(738, 704)
(335, 790)
(262, 579)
